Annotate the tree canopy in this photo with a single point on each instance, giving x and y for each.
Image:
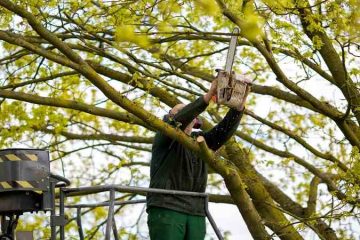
(90, 81)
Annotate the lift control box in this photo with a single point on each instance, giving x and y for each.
(24, 181)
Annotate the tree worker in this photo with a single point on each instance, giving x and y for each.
(174, 167)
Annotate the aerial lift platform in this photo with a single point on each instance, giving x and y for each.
(27, 185)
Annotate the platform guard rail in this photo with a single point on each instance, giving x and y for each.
(60, 221)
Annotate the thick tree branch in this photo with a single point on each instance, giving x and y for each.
(311, 204)
(239, 195)
(165, 97)
(18, 40)
(54, 102)
(262, 200)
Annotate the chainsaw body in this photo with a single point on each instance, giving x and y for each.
(231, 89)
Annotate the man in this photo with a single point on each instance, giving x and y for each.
(173, 167)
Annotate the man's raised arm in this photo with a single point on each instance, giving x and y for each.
(222, 132)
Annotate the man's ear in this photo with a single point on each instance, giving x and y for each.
(166, 117)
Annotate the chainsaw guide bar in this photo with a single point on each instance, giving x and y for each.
(231, 52)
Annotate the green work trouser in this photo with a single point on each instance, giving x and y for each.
(166, 224)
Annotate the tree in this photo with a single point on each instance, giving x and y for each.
(97, 75)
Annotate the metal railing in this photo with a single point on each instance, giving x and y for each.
(65, 192)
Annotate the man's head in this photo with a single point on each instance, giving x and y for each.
(176, 109)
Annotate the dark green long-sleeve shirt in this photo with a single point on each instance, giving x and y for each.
(174, 167)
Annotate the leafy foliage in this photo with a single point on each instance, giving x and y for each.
(92, 98)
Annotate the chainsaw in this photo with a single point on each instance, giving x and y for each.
(231, 87)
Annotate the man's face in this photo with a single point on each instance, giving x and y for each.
(175, 110)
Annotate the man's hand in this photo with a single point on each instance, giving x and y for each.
(212, 91)
(247, 91)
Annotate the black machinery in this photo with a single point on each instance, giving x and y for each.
(26, 185)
